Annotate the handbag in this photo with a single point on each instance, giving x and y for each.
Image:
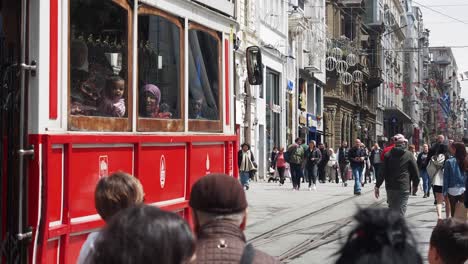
(435, 164)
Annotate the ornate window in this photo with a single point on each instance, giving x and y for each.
(100, 77)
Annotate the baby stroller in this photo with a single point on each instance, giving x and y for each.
(273, 175)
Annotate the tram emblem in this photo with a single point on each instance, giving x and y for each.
(162, 172)
(207, 163)
(103, 166)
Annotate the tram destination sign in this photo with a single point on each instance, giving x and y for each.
(224, 6)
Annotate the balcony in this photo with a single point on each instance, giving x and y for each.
(375, 78)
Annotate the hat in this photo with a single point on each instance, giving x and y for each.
(218, 194)
(154, 90)
(400, 139)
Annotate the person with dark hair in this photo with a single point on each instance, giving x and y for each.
(449, 243)
(273, 154)
(375, 160)
(381, 236)
(422, 165)
(357, 157)
(454, 176)
(246, 163)
(113, 194)
(399, 169)
(313, 157)
(112, 101)
(296, 156)
(219, 217)
(343, 161)
(144, 234)
(323, 162)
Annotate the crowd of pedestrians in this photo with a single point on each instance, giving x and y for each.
(139, 233)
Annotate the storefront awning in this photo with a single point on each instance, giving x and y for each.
(396, 115)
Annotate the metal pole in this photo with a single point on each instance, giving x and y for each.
(22, 116)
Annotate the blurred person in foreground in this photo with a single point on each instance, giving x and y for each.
(449, 243)
(381, 236)
(145, 234)
(113, 194)
(399, 169)
(219, 216)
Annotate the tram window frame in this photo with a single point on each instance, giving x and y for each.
(101, 123)
(145, 124)
(215, 126)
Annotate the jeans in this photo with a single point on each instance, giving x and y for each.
(296, 175)
(312, 175)
(398, 200)
(426, 181)
(244, 178)
(357, 174)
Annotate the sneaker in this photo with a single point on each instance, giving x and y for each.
(357, 193)
(246, 187)
(314, 187)
(345, 184)
(425, 195)
(364, 183)
(310, 189)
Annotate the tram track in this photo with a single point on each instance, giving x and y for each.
(328, 236)
(278, 229)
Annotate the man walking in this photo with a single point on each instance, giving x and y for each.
(343, 161)
(399, 170)
(219, 216)
(376, 160)
(422, 165)
(357, 158)
(296, 160)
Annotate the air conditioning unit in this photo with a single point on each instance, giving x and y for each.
(294, 3)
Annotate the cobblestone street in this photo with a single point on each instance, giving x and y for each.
(309, 226)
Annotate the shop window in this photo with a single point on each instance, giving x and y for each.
(100, 90)
(160, 71)
(204, 79)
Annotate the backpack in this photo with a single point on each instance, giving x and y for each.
(297, 155)
(435, 165)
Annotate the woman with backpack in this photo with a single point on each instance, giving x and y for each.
(454, 176)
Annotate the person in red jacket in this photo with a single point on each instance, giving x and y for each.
(391, 145)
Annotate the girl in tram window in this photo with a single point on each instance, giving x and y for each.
(112, 102)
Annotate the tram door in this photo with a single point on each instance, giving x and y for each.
(13, 193)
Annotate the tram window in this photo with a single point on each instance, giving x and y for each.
(204, 75)
(159, 67)
(99, 85)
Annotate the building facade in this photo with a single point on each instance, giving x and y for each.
(350, 89)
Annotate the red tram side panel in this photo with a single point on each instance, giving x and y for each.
(69, 166)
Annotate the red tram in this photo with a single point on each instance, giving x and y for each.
(91, 87)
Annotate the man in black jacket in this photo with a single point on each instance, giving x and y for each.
(422, 165)
(399, 169)
(343, 161)
(357, 157)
